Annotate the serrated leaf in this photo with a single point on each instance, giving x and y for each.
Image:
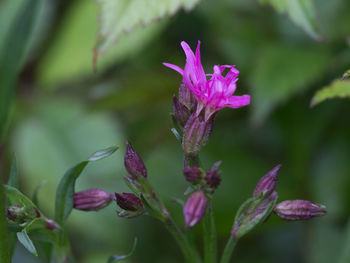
(301, 12)
(337, 89)
(117, 258)
(280, 73)
(65, 189)
(118, 18)
(26, 242)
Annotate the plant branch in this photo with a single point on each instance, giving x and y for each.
(210, 243)
(230, 246)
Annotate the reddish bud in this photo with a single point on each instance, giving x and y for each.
(133, 163)
(267, 183)
(192, 174)
(299, 210)
(19, 214)
(128, 201)
(196, 133)
(92, 200)
(194, 208)
(213, 177)
(180, 111)
(186, 97)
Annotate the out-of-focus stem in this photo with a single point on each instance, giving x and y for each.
(4, 251)
(210, 244)
(190, 254)
(230, 246)
(345, 255)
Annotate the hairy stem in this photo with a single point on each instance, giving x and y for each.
(230, 246)
(210, 244)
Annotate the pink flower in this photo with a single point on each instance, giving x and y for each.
(212, 94)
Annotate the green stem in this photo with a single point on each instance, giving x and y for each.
(345, 255)
(190, 254)
(210, 244)
(230, 245)
(4, 252)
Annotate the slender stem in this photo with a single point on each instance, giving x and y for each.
(4, 252)
(230, 246)
(210, 244)
(345, 255)
(191, 255)
(191, 160)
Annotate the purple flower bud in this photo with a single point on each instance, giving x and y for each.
(50, 224)
(299, 210)
(181, 113)
(196, 133)
(192, 174)
(194, 208)
(21, 215)
(213, 177)
(92, 199)
(267, 183)
(186, 97)
(133, 163)
(129, 201)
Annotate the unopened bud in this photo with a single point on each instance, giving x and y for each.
(21, 215)
(92, 200)
(128, 201)
(194, 208)
(267, 183)
(212, 177)
(299, 210)
(186, 97)
(192, 174)
(180, 111)
(133, 163)
(195, 134)
(51, 225)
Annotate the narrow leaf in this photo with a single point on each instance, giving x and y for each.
(13, 49)
(117, 258)
(26, 242)
(65, 189)
(36, 192)
(13, 176)
(16, 197)
(301, 12)
(337, 89)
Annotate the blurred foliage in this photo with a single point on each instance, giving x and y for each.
(64, 111)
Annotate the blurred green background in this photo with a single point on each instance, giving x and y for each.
(63, 112)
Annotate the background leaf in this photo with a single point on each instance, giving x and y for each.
(13, 49)
(337, 89)
(13, 176)
(120, 17)
(301, 12)
(117, 258)
(65, 189)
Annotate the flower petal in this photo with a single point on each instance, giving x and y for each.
(238, 101)
(174, 67)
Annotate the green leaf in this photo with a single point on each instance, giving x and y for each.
(301, 12)
(16, 197)
(117, 258)
(13, 49)
(13, 177)
(36, 192)
(337, 89)
(65, 189)
(118, 18)
(280, 73)
(26, 242)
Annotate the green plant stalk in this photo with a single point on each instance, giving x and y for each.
(4, 251)
(345, 255)
(230, 246)
(190, 254)
(210, 243)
